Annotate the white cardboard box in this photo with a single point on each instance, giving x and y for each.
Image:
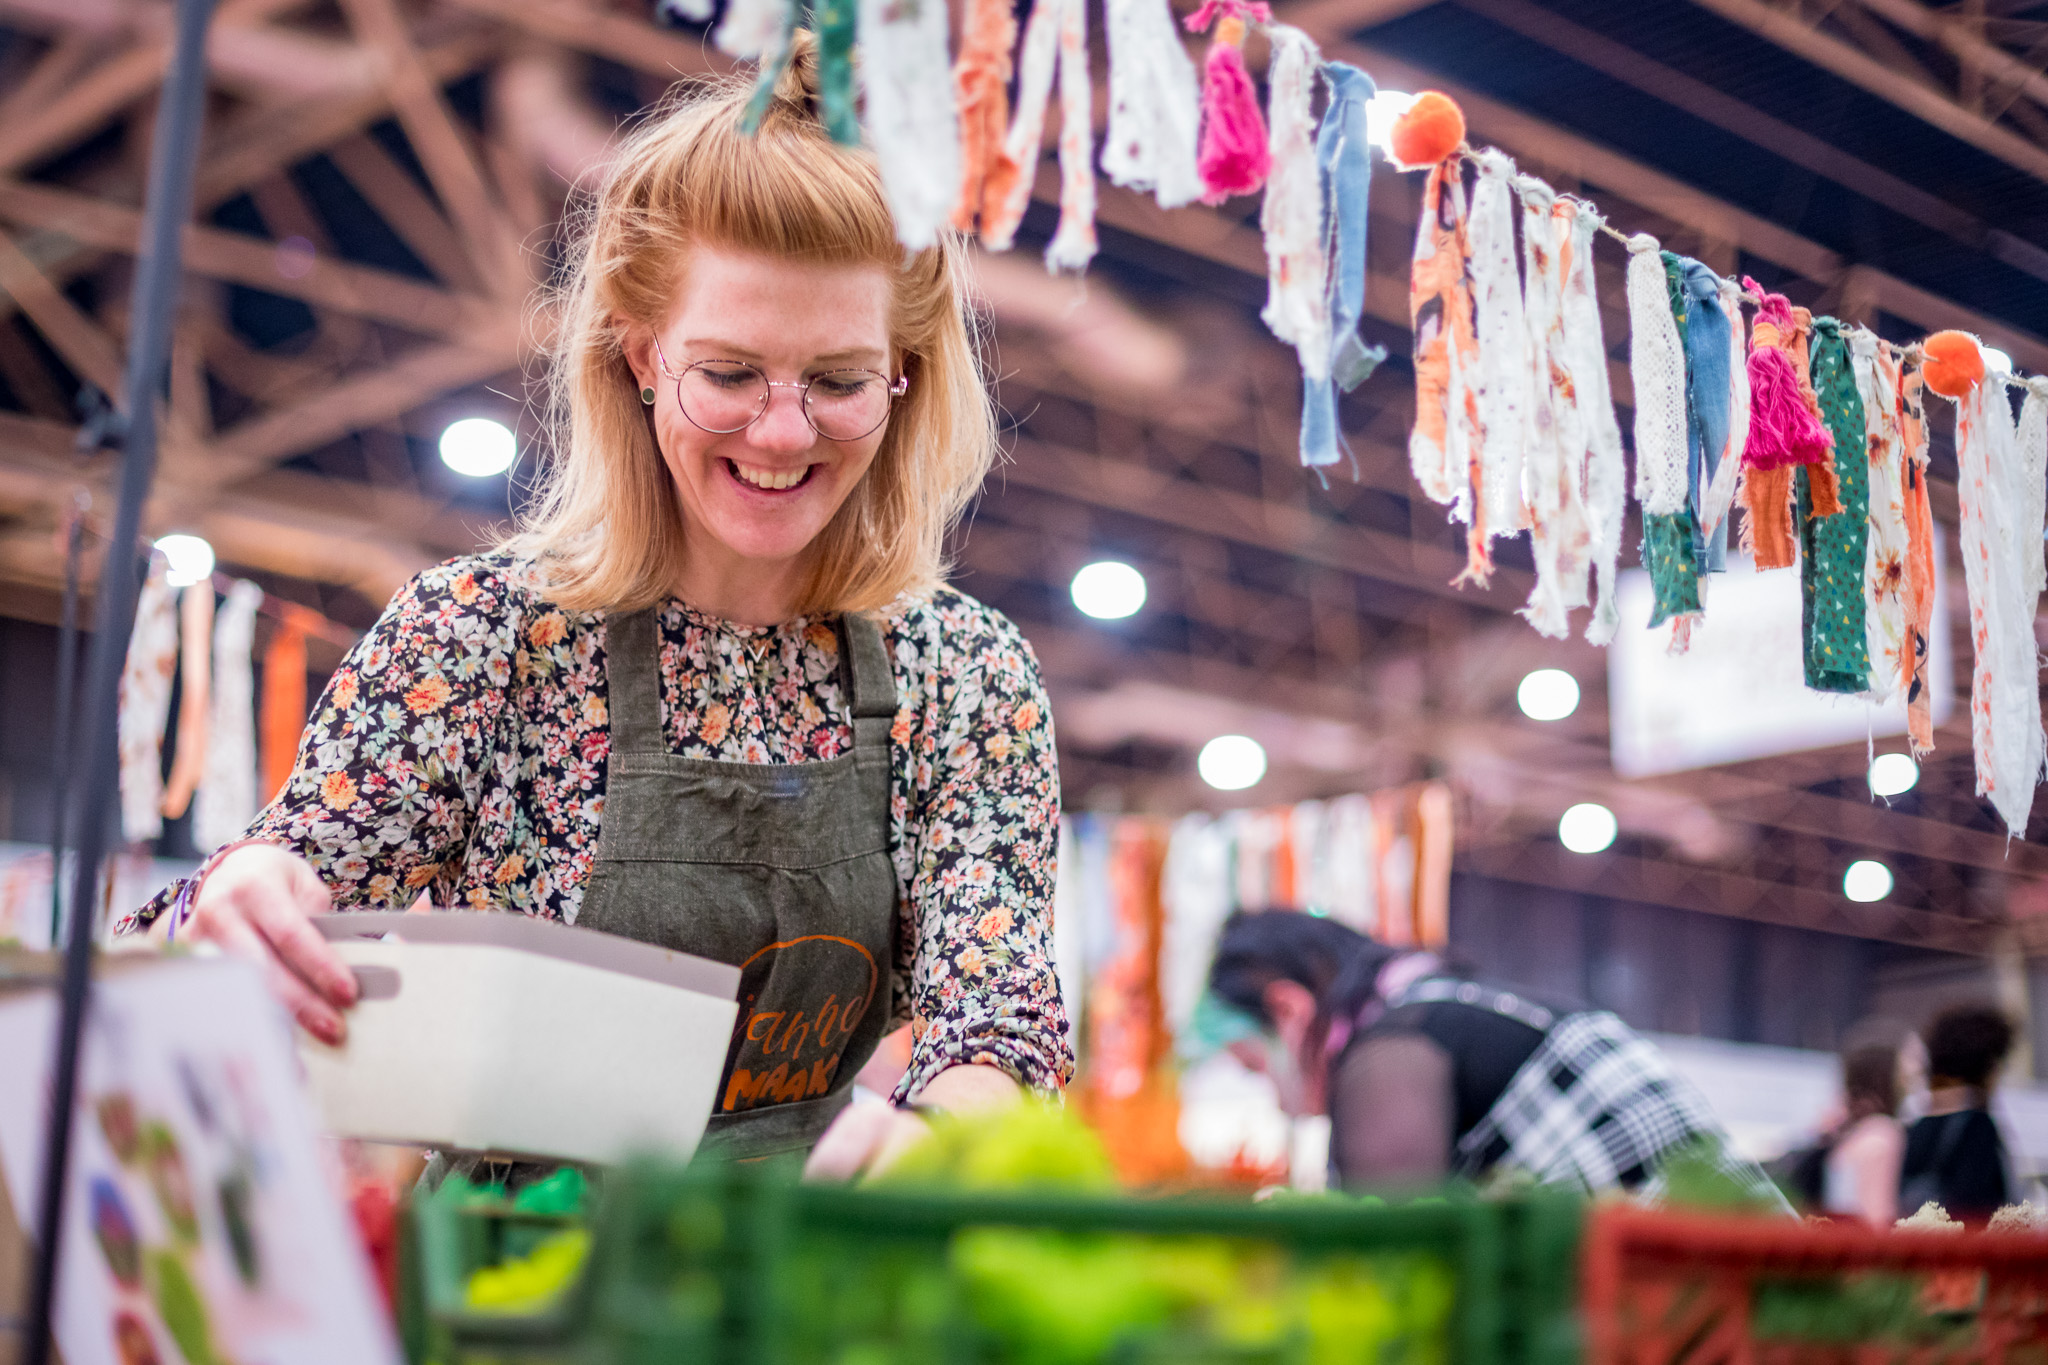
(505, 1034)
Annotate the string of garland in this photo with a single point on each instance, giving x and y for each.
(1814, 427)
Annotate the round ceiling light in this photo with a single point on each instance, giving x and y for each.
(189, 560)
(1232, 762)
(1891, 774)
(479, 447)
(1109, 590)
(1867, 880)
(1587, 828)
(1548, 694)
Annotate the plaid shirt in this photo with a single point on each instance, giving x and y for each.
(1596, 1105)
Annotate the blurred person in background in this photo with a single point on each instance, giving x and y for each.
(1860, 1171)
(1429, 1072)
(1954, 1156)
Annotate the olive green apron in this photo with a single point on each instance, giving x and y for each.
(781, 869)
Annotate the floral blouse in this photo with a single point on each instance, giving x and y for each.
(460, 751)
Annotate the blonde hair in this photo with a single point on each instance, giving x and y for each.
(604, 528)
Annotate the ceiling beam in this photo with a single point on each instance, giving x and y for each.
(1799, 35)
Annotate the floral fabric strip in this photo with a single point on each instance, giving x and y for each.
(1884, 565)
(1504, 375)
(1073, 242)
(146, 705)
(226, 802)
(2005, 697)
(1606, 468)
(1446, 352)
(1919, 558)
(1291, 218)
(1155, 104)
(1559, 537)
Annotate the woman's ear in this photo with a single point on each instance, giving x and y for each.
(637, 344)
(1292, 1008)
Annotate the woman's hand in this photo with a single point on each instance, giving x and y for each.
(254, 904)
(867, 1139)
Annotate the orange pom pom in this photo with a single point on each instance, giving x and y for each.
(1432, 129)
(1952, 363)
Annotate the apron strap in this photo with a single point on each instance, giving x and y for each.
(632, 679)
(865, 677)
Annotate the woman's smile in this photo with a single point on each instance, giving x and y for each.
(764, 479)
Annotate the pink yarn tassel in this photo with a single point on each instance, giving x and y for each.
(1235, 155)
(1783, 429)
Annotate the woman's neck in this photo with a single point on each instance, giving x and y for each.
(745, 592)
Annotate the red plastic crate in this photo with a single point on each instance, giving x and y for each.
(1665, 1288)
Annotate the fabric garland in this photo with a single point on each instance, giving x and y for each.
(1919, 559)
(1503, 371)
(195, 698)
(1657, 365)
(146, 705)
(1708, 357)
(2005, 698)
(1233, 156)
(1440, 447)
(911, 121)
(981, 86)
(1834, 547)
(1559, 537)
(1291, 218)
(1606, 467)
(226, 802)
(1344, 167)
(1884, 564)
(1155, 104)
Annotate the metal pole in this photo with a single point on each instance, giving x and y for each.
(180, 112)
(67, 684)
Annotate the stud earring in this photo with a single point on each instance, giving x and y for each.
(647, 395)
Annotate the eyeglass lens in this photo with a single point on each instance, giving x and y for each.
(725, 396)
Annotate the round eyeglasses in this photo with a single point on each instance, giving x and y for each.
(724, 396)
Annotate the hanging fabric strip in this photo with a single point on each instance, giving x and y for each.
(1817, 478)
(834, 22)
(1505, 403)
(911, 120)
(1657, 369)
(1155, 104)
(2005, 698)
(2030, 501)
(1073, 242)
(1606, 467)
(226, 802)
(1720, 495)
(1555, 467)
(284, 702)
(1291, 218)
(1884, 562)
(1446, 352)
(1919, 559)
(981, 84)
(146, 705)
(1834, 547)
(1707, 363)
(1344, 163)
(1784, 422)
(1035, 62)
(1233, 158)
(195, 697)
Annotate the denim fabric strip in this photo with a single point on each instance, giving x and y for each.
(1344, 156)
(1707, 363)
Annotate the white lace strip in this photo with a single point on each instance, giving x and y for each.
(1656, 361)
(1504, 376)
(907, 89)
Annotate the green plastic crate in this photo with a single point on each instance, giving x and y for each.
(442, 1244)
(735, 1266)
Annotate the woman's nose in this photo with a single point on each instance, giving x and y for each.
(783, 425)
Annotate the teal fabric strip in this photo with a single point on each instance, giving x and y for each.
(1674, 567)
(834, 21)
(1832, 549)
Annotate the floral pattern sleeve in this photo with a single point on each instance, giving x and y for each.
(977, 864)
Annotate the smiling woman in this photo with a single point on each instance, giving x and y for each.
(715, 695)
